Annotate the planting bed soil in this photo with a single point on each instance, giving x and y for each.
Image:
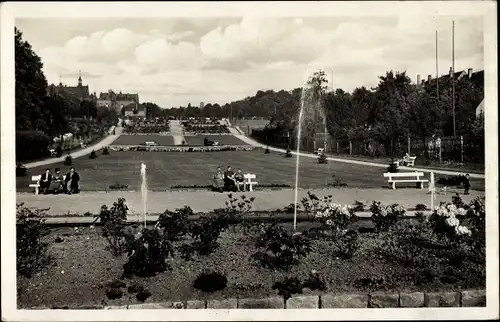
(164, 140)
(198, 140)
(83, 266)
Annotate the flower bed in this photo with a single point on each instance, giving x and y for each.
(253, 259)
(205, 129)
(181, 148)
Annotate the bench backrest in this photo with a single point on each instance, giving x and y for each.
(150, 143)
(249, 176)
(36, 178)
(403, 174)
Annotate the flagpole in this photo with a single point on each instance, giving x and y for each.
(453, 69)
(437, 68)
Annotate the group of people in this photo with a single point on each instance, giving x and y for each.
(228, 181)
(57, 183)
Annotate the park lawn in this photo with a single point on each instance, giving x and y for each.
(82, 266)
(164, 140)
(167, 169)
(198, 140)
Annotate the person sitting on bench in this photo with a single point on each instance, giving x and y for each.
(45, 181)
(229, 180)
(239, 179)
(218, 180)
(72, 179)
(57, 184)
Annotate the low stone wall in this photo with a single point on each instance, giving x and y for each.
(204, 134)
(469, 298)
(143, 148)
(159, 133)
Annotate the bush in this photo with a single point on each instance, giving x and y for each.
(392, 168)
(238, 210)
(335, 217)
(288, 153)
(205, 231)
(359, 206)
(210, 282)
(322, 159)
(118, 186)
(458, 202)
(114, 293)
(267, 151)
(420, 207)
(142, 295)
(282, 249)
(20, 170)
(347, 242)
(315, 282)
(336, 182)
(385, 216)
(92, 155)
(288, 287)
(105, 151)
(147, 254)
(32, 145)
(113, 223)
(175, 223)
(68, 160)
(451, 180)
(31, 252)
(446, 225)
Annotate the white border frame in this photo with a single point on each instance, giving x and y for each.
(12, 10)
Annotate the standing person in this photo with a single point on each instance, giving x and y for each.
(229, 181)
(45, 181)
(466, 184)
(72, 180)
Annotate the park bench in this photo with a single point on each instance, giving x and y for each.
(150, 143)
(53, 152)
(406, 161)
(393, 178)
(248, 181)
(36, 184)
(320, 151)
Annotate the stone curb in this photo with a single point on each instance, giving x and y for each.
(468, 298)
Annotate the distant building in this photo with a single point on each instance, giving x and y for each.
(134, 110)
(116, 100)
(80, 92)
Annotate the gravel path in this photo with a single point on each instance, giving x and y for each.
(177, 132)
(205, 201)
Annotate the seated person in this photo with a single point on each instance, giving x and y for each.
(45, 181)
(57, 184)
(218, 180)
(239, 179)
(229, 181)
(72, 180)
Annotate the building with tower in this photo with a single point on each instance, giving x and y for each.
(80, 91)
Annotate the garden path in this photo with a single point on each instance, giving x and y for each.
(177, 132)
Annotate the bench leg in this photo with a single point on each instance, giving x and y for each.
(421, 185)
(251, 187)
(37, 191)
(394, 186)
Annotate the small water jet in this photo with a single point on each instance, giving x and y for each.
(144, 191)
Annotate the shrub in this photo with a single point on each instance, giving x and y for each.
(322, 159)
(447, 226)
(393, 167)
(451, 180)
(135, 288)
(142, 295)
(105, 151)
(347, 242)
(457, 201)
(31, 145)
(384, 216)
(336, 182)
(210, 282)
(20, 170)
(238, 210)
(68, 160)
(282, 249)
(113, 223)
(420, 207)
(31, 252)
(114, 293)
(288, 287)
(266, 151)
(420, 216)
(175, 223)
(118, 186)
(147, 254)
(205, 231)
(358, 206)
(288, 153)
(92, 155)
(336, 217)
(315, 282)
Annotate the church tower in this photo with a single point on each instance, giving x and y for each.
(80, 78)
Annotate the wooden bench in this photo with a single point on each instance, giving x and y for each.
(248, 181)
(392, 178)
(36, 185)
(406, 161)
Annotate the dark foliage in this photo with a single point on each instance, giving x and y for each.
(105, 151)
(315, 282)
(288, 287)
(113, 223)
(92, 155)
(175, 223)
(68, 160)
(322, 159)
(421, 207)
(393, 167)
(142, 295)
(210, 282)
(452, 181)
(114, 293)
(21, 170)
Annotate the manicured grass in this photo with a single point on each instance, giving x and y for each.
(197, 168)
(83, 266)
(166, 140)
(197, 140)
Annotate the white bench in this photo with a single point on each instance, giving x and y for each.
(320, 151)
(150, 143)
(248, 181)
(400, 177)
(408, 161)
(36, 185)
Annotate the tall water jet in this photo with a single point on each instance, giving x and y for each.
(144, 191)
(299, 135)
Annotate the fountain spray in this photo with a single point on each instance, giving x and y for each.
(144, 191)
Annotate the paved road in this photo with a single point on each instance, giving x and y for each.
(80, 153)
(246, 139)
(177, 131)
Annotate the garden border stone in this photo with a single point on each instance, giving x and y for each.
(467, 298)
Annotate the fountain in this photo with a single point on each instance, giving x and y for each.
(144, 191)
(310, 112)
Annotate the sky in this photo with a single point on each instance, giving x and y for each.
(176, 61)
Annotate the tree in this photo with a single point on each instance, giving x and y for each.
(31, 87)
(152, 109)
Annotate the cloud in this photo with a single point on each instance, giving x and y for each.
(219, 60)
